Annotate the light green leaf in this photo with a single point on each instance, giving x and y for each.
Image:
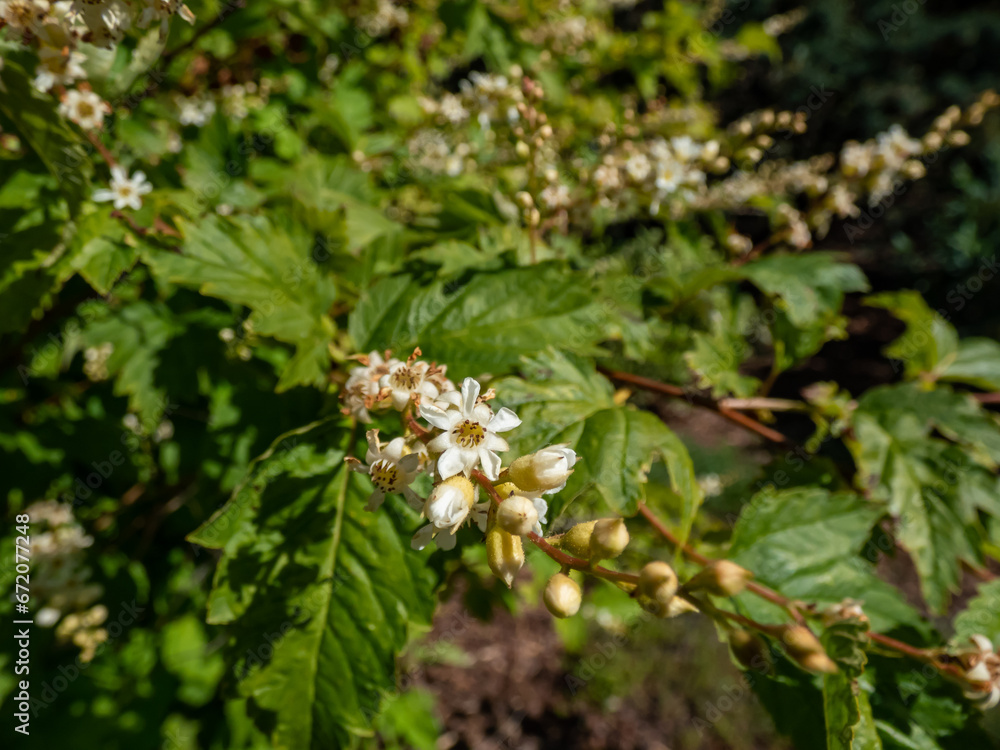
(485, 326)
(564, 400)
(981, 615)
(337, 589)
(977, 363)
(269, 269)
(929, 344)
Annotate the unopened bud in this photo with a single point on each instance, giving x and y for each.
(522, 149)
(562, 595)
(805, 648)
(547, 469)
(720, 578)
(450, 501)
(504, 554)
(609, 539)
(749, 650)
(517, 515)
(658, 582)
(576, 541)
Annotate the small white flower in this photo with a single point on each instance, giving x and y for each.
(470, 432)
(638, 167)
(407, 380)
(685, 148)
(85, 108)
(390, 470)
(125, 190)
(983, 665)
(362, 391)
(448, 507)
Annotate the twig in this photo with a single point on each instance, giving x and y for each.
(700, 400)
(579, 564)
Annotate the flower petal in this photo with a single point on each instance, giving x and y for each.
(452, 462)
(376, 500)
(504, 420)
(423, 537)
(491, 463)
(103, 195)
(445, 541)
(470, 392)
(437, 417)
(409, 463)
(413, 499)
(441, 443)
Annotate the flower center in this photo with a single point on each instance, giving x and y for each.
(468, 434)
(84, 109)
(404, 379)
(385, 475)
(125, 191)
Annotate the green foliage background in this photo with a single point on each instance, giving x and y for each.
(264, 607)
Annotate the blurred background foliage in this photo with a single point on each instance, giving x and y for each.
(132, 388)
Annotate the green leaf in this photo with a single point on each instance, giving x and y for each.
(976, 363)
(563, 400)
(927, 485)
(39, 123)
(805, 543)
(485, 326)
(811, 286)
(269, 269)
(981, 615)
(334, 590)
(848, 712)
(929, 342)
(100, 254)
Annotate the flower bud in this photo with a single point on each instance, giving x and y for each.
(450, 501)
(576, 541)
(517, 515)
(805, 648)
(562, 595)
(504, 554)
(545, 470)
(522, 149)
(749, 650)
(609, 539)
(720, 578)
(658, 582)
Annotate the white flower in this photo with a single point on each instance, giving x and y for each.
(470, 432)
(685, 148)
(194, 111)
(544, 471)
(555, 196)
(85, 108)
(162, 10)
(407, 380)
(362, 391)
(447, 508)
(638, 167)
(390, 470)
(983, 665)
(125, 190)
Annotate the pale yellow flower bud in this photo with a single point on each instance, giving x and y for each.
(562, 596)
(517, 515)
(504, 554)
(609, 539)
(576, 541)
(805, 648)
(658, 582)
(547, 469)
(720, 578)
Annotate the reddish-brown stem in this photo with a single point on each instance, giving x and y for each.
(105, 154)
(486, 484)
(423, 435)
(700, 400)
(580, 564)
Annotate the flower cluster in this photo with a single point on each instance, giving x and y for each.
(454, 435)
(60, 577)
(57, 29)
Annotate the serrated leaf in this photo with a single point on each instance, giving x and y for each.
(929, 342)
(926, 484)
(337, 588)
(976, 363)
(484, 326)
(564, 400)
(981, 615)
(848, 714)
(269, 269)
